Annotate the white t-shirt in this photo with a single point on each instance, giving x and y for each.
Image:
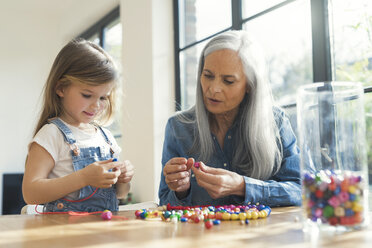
(52, 140)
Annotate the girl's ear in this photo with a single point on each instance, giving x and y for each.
(59, 89)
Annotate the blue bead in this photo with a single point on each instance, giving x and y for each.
(349, 212)
(260, 207)
(184, 219)
(337, 190)
(216, 222)
(320, 205)
(143, 215)
(247, 221)
(167, 214)
(268, 210)
(351, 197)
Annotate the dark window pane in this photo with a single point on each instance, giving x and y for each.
(94, 38)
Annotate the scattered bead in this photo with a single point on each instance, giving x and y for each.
(216, 222)
(208, 224)
(106, 215)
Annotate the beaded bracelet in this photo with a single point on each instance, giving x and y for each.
(212, 215)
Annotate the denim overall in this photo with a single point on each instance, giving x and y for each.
(81, 157)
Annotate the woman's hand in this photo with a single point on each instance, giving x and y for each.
(177, 174)
(126, 171)
(219, 182)
(98, 175)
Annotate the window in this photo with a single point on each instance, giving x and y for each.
(282, 27)
(285, 35)
(107, 33)
(305, 41)
(351, 23)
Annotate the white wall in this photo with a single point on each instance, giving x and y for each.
(149, 88)
(32, 33)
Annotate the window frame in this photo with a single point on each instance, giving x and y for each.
(321, 49)
(100, 26)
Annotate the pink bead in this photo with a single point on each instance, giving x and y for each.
(343, 196)
(106, 215)
(197, 165)
(334, 201)
(318, 212)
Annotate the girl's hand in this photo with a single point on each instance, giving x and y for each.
(219, 182)
(177, 174)
(98, 175)
(126, 171)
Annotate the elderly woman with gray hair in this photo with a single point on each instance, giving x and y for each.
(234, 146)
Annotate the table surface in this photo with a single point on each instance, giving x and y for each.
(282, 228)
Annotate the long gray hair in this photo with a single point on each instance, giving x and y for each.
(257, 138)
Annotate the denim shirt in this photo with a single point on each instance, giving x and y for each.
(283, 188)
(81, 157)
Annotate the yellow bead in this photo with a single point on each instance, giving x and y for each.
(249, 215)
(352, 189)
(262, 214)
(226, 216)
(254, 215)
(357, 207)
(242, 216)
(234, 216)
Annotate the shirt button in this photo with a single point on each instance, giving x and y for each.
(225, 164)
(229, 137)
(193, 175)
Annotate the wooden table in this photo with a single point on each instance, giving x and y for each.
(281, 229)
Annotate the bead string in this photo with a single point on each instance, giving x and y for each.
(106, 215)
(212, 215)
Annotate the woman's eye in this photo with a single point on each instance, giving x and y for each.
(208, 76)
(228, 81)
(86, 96)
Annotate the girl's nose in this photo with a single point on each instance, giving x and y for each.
(96, 104)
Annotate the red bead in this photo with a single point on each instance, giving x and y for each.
(319, 193)
(196, 219)
(333, 221)
(208, 224)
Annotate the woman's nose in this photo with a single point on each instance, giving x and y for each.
(216, 87)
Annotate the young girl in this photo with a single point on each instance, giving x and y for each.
(71, 163)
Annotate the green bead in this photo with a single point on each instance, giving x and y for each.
(328, 211)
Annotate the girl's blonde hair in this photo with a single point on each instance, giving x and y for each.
(80, 61)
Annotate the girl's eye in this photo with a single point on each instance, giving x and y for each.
(103, 98)
(85, 95)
